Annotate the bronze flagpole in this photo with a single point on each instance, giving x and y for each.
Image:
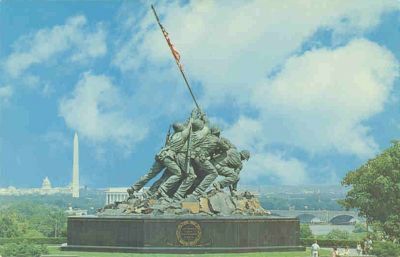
(176, 60)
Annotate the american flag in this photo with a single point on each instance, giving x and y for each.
(175, 53)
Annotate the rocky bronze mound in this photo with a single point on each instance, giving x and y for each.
(214, 203)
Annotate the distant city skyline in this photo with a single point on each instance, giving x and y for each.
(311, 97)
(73, 187)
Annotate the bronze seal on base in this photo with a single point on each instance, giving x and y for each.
(188, 233)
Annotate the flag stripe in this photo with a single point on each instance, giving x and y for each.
(175, 52)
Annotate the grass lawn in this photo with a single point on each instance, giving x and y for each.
(272, 254)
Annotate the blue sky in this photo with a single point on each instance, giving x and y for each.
(310, 88)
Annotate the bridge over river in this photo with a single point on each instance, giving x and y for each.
(322, 216)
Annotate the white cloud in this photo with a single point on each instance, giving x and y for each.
(288, 171)
(318, 102)
(320, 99)
(249, 134)
(246, 133)
(231, 47)
(98, 111)
(6, 93)
(45, 44)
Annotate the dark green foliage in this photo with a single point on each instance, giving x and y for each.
(23, 249)
(329, 242)
(337, 234)
(305, 231)
(34, 240)
(386, 249)
(375, 190)
(11, 224)
(359, 228)
(24, 219)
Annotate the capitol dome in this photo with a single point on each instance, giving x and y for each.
(46, 183)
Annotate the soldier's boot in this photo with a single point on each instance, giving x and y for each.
(192, 197)
(131, 191)
(217, 186)
(165, 200)
(207, 181)
(147, 194)
(177, 199)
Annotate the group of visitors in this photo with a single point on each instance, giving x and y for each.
(361, 249)
(364, 248)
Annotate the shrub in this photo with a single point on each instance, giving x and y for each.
(23, 249)
(359, 228)
(337, 234)
(38, 240)
(385, 249)
(329, 242)
(305, 231)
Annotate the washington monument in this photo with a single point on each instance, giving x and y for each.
(75, 168)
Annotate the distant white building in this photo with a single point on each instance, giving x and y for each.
(119, 194)
(116, 194)
(46, 185)
(75, 212)
(46, 189)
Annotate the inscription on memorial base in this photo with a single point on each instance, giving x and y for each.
(183, 234)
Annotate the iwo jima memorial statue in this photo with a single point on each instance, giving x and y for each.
(189, 208)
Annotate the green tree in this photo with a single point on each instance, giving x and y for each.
(337, 234)
(41, 219)
(305, 231)
(386, 249)
(375, 190)
(11, 224)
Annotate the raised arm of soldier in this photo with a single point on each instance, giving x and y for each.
(185, 132)
(201, 115)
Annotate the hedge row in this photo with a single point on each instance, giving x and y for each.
(329, 242)
(39, 240)
(60, 240)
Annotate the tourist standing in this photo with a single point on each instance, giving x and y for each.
(346, 251)
(359, 249)
(367, 245)
(315, 249)
(335, 252)
(369, 240)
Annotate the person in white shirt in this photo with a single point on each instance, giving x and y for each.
(315, 249)
(359, 249)
(346, 251)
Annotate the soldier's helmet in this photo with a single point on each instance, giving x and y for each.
(225, 144)
(245, 155)
(197, 125)
(216, 131)
(178, 127)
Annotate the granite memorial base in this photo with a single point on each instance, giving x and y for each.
(183, 234)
